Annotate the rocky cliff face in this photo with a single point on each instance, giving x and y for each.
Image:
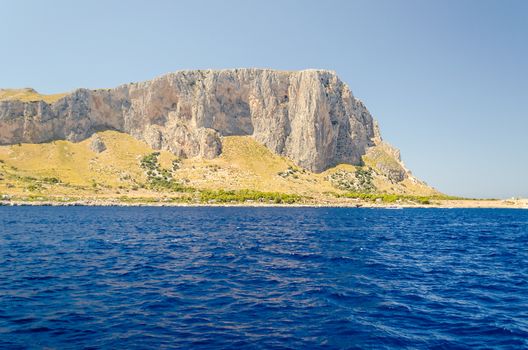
(309, 116)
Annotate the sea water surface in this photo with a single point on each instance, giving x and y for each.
(262, 278)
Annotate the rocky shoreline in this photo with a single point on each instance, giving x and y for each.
(447, 204)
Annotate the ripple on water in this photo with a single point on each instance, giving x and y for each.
(262, 278)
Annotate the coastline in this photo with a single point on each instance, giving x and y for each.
(439, 204)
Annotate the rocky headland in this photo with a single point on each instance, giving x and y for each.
(298, 132)
(308, 116)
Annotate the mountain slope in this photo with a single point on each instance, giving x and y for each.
(62, 169)
(28, 95)
(188, 133)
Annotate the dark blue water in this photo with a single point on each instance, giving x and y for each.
(268, 278)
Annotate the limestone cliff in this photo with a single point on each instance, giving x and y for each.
(308, 116)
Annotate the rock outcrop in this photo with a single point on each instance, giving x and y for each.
(97, 145)
(309, 116)
(386, 159)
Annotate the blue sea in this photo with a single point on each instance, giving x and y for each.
(263, 278)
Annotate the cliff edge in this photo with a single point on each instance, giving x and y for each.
(310, 116)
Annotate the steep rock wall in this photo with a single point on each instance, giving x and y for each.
(309, 116)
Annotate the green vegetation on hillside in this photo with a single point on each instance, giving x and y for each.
(222, 196)
(158, 178)
(394, 198)
(359, 181)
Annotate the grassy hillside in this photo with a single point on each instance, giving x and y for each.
(130, 170)
(28, 95)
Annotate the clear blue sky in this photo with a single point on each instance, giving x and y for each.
(447, 80)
